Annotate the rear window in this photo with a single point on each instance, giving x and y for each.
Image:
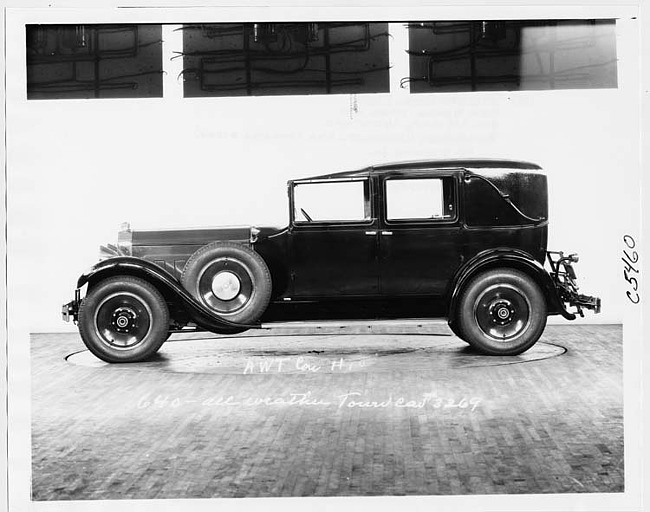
(419, 199)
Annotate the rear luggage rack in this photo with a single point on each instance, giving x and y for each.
(564, 277)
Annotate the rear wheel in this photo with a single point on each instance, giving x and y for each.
(231, 280)
(455, 329)
(123, 320)
(502, 312)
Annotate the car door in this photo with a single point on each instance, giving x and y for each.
(333, 239)
(420, 242)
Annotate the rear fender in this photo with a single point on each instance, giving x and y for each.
(505, 258)
(165, 282)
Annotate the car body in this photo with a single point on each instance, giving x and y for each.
(404, 240)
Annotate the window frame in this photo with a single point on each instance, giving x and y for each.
(300, 224)
(446, 174)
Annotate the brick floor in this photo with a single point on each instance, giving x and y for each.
(413, 412)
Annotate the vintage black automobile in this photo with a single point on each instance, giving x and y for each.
(465, 240)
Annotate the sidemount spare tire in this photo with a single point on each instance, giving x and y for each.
(123, 319)
(502, 312)
(230, 279)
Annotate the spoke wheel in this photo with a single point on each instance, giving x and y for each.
(123, 319)
(502, 312)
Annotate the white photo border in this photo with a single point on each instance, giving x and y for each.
(18, 358)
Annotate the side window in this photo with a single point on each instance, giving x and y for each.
(420, 199)
(332, 201)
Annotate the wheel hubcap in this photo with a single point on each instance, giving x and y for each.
(502, 312)
(124, 319)
(226, 285)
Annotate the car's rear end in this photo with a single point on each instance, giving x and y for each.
(506, 207)
(510, 206)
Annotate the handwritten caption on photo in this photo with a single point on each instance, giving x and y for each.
(350, 400)
(631, 268)
(303, 364)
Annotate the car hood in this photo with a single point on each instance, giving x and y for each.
(184, 236)
(129, 238)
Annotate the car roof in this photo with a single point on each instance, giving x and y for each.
(431, 165)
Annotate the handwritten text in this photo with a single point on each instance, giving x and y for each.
(350, 400)
(631, 269)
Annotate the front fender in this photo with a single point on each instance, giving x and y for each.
(165, 282)
(510, 258)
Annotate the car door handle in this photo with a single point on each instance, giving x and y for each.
(386, 232)
(370, 233)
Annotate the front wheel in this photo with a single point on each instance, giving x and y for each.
(502, 312)
(123, 320)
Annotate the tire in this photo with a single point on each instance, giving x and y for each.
(231, 280)
(502, 312)
(454, 328)
(231, 330)
(123, 320)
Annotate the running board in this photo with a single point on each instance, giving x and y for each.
(315, 324)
